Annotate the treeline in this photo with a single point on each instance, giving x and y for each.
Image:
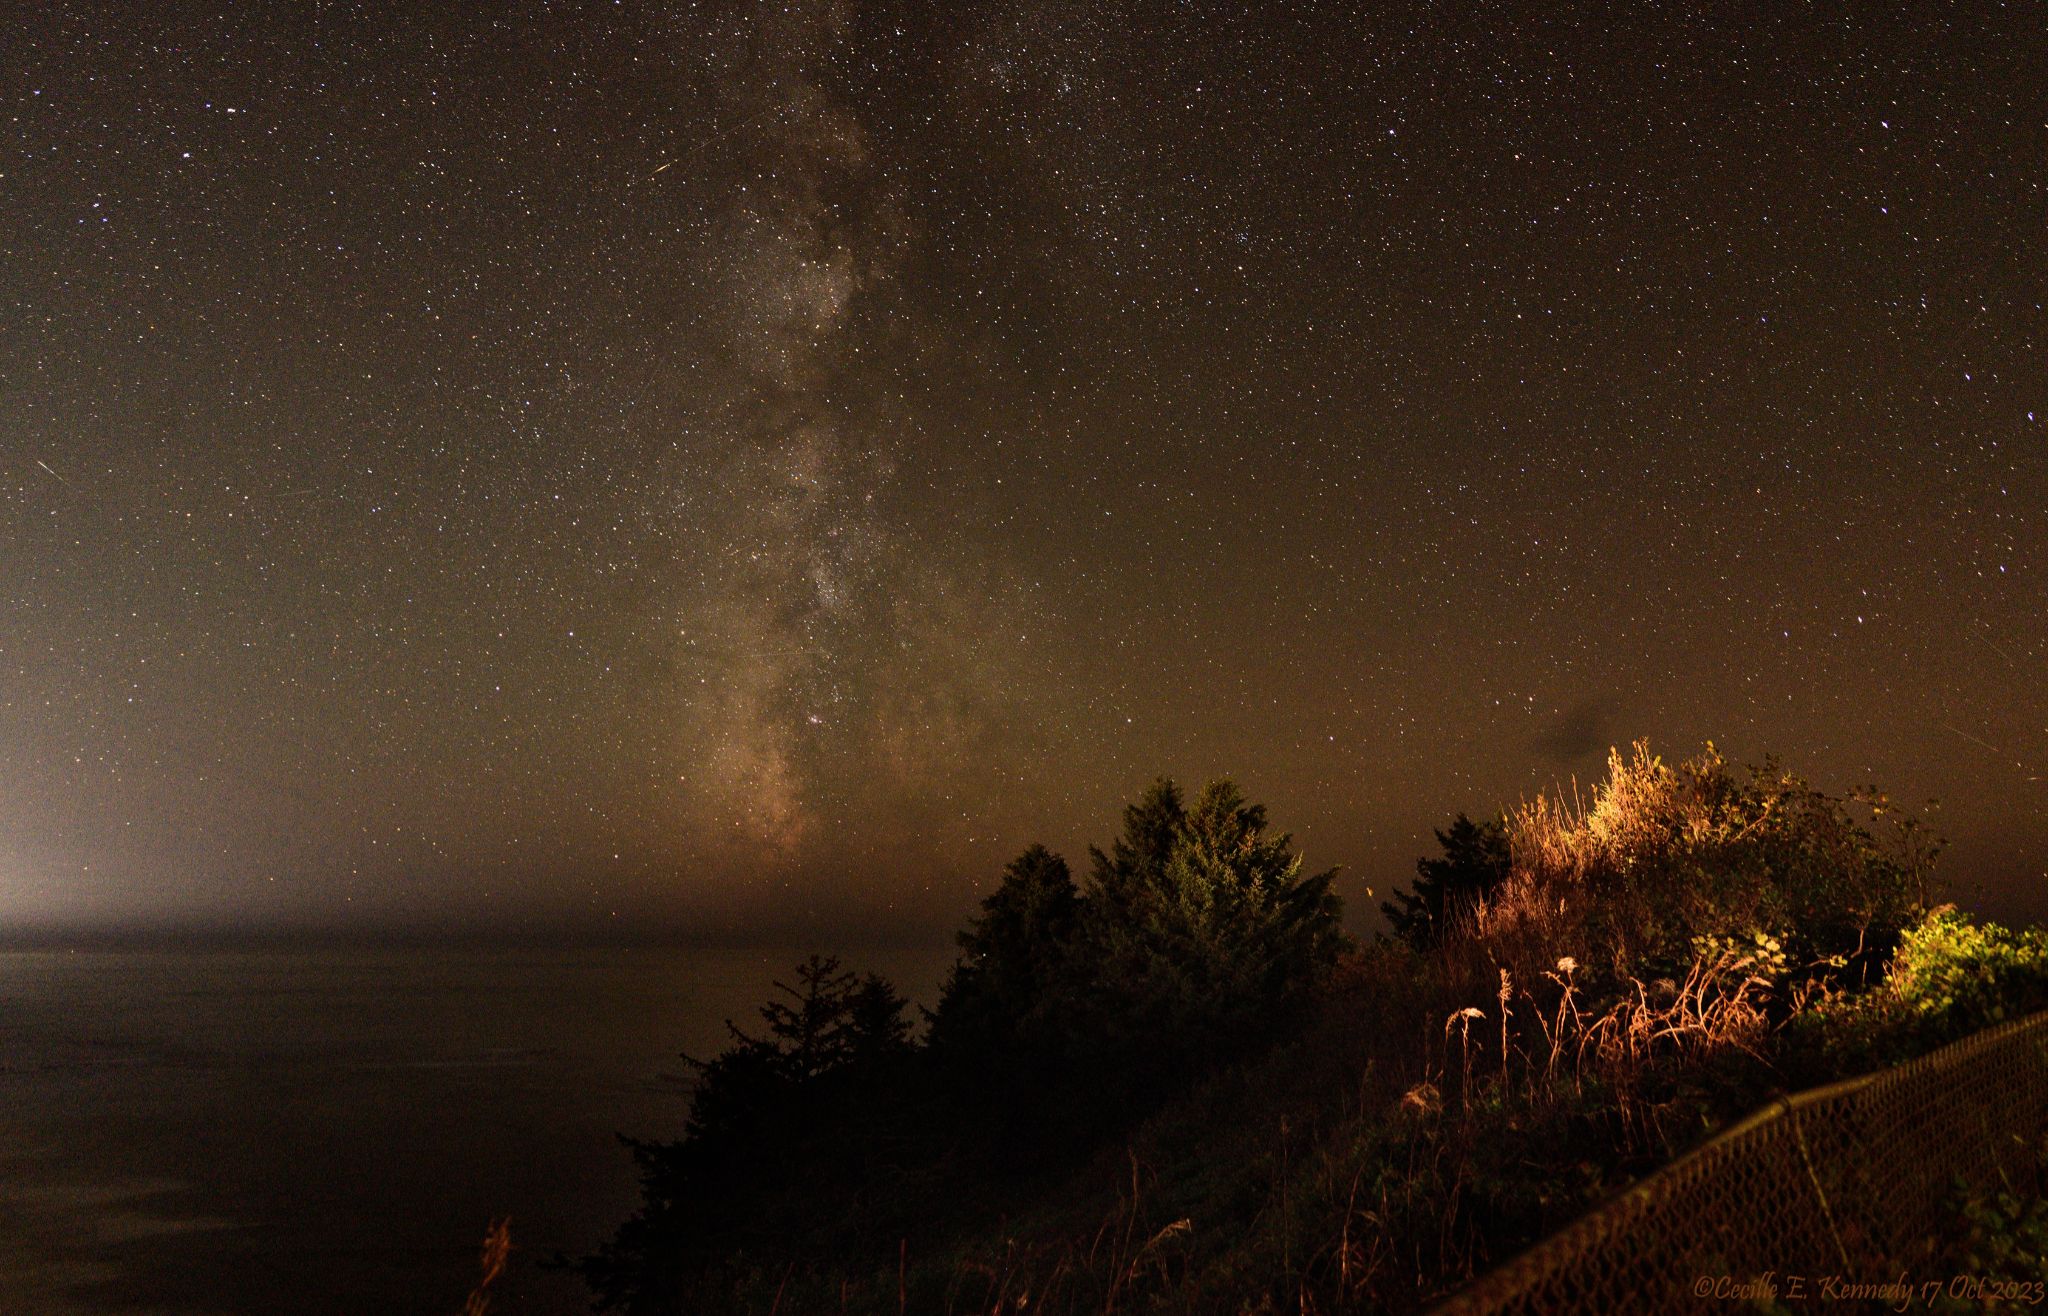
(1173, 1087)
(1073, 1009)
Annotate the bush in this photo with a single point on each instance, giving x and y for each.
(1962, 976)
(1948, 977)
(1999, 1243)
(1665, 856)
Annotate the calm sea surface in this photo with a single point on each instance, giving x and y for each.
(316, 1131)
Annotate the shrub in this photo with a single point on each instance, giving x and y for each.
(1667, 855)
(1999, 1242)
(1966, 974)
(1946, 977)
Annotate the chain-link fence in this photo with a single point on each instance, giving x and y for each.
(1826, 1197)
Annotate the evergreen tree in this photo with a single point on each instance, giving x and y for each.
(810, 1033)
(1474, 864)
(877, 1029)
(785, 1133)
(1012, 957)
(830, 1133)
(1200, 930)
(1137, 859)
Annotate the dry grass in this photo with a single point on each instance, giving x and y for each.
(496, 1251)
(1377, 1199)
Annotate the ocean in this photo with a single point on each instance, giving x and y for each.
(333, 1130)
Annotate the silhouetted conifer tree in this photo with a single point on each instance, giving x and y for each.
(1199, 929)
(1012, 958)
(1067, 1015)
(1137, 859)
(784, 1135)
(1474, 864)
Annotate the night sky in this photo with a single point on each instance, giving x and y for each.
(702, 469)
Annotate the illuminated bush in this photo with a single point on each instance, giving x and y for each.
(1666, 855)
(1964, 975)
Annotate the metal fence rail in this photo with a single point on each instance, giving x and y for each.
(1842, 1184)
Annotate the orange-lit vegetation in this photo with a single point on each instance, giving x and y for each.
(1167, 1091)
(497, 1250)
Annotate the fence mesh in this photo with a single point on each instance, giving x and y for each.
(1847, 1181)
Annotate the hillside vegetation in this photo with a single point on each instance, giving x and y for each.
(1176, 1087)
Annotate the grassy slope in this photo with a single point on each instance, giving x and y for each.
(1357, 1167)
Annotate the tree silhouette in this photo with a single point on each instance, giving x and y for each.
(1199, 929)
(827, 1131)
(1012, 957)
(783, 1137)
(1474, 864)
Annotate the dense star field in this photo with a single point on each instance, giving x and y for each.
(711, 467)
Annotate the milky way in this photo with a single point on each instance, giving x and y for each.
(833, 654)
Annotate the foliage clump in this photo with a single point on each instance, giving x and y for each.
(1667, 854)
(1949, 976)
(1963, 975)
(1999, 1242)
